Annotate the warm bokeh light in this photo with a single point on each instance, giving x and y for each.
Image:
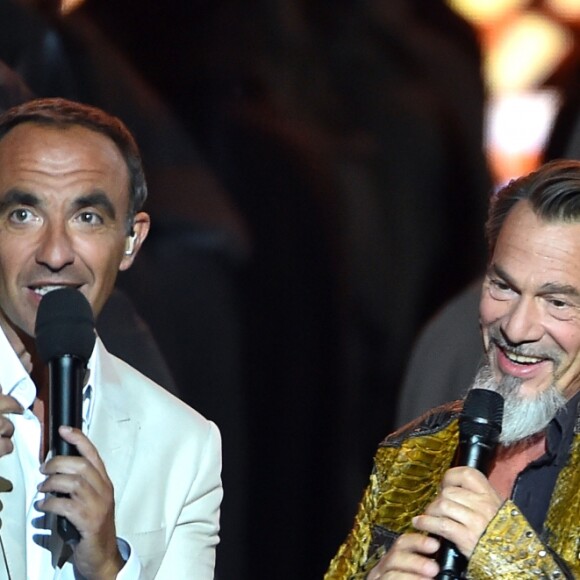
(523, 43)
(566, 9)
(525, 53)
(517, 127)
(67, 6)
(486, 11)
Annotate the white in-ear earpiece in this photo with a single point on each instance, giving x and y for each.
(130, 244)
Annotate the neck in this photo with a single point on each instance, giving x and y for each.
(520, 446)
(511, 460)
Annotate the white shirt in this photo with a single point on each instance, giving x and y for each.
(15, 381)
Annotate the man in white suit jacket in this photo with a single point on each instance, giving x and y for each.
(145, 491)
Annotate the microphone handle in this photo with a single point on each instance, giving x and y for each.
(477, 453)
(452, 562)
(66, 376)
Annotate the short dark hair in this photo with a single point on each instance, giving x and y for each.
(63, 113)
(553, 192)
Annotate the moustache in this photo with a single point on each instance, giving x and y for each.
(496, 337)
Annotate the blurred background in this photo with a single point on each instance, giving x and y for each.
(319, 174)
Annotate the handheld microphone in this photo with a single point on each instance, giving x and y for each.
(65, 338)
(479, 429)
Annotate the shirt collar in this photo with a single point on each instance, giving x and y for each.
(566, 417)
(562, 428)
(14, 379)
(17, 383)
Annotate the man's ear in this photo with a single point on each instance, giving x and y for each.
(135, 239)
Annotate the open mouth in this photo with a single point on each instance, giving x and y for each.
(43, 290)
(521, 358)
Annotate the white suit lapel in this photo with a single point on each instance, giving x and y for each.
(112, 430)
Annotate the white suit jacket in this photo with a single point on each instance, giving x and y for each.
(164, 460)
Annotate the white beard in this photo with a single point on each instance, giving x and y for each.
(523, 416)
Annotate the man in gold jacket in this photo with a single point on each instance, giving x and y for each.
(522, 520)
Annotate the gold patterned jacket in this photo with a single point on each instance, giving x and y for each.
(408, 468)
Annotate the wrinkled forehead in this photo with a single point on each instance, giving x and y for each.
(54, 145)
(532, 246)
(75, 161)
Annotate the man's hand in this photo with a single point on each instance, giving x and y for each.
(463, 509)
(8, 404)
(89, 505)
(460, 513)
(410, 558)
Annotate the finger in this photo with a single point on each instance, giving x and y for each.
(6, 446)
(63, 504)
(86, 511)
(91, 513)
(71, 484)
(451, 501)
(440, 526)
(419, 543)
(84, 446)
(80, 493)
(75, 486)
(9, 404)
(472, 517)
(464, 535)
(462, 504)
(409, 555)
(6, 427)
(449, 510)
(74, 471)
(466, 477)
(6, 432)
(415, 565)
(88, 466)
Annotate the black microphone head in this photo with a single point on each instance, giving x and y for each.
(482, 414)
(65, 325)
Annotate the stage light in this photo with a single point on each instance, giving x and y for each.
(483, 12)
(565, 9)
(67, 6)
(526, 52)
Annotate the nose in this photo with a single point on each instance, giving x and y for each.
(523, 322)
(55, 250)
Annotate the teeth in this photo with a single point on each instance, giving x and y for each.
(518, 358)
(43, 290)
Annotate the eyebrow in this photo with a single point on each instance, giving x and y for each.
(96, 199)
(547, 288)
(555, 288)
(18, 197)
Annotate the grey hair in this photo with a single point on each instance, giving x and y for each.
(553, 192)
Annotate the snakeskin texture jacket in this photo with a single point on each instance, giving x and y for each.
(408, 468)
